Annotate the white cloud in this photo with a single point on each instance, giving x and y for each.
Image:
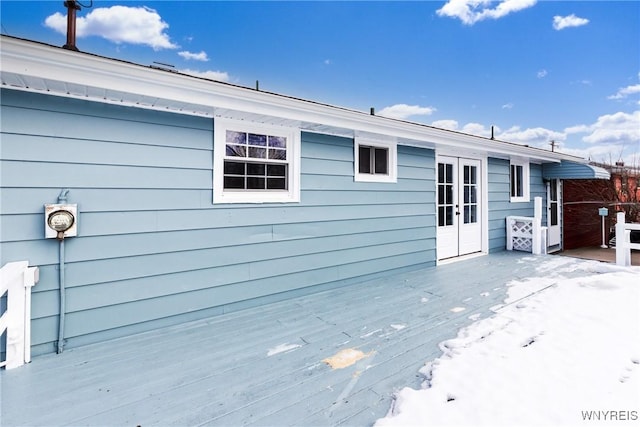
(404, 111)
(611, 137)
(508, 106)
(327, 62)
(446, 124)
(478, 129)
(605, 153)
(542, 74)
(577, 129)
(201, 56)
(625, 91)
(562, 22)
(221, 76)
(612, 128)
(119, 24)
(472, 11)
(538, 137)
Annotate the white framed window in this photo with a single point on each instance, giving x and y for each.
(255, 163)
(375, 161)
(519, 181)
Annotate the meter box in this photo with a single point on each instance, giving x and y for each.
(60, 221)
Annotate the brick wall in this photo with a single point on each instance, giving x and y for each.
(581, 200)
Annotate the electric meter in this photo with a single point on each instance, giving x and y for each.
(60, 221)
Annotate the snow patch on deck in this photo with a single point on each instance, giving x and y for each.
(345, 358)
(282, 348)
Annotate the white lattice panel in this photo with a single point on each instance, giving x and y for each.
(522, 244)
(520, 234)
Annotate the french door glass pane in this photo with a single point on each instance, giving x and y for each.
(449, 174)
(449, 194)
(449, 215)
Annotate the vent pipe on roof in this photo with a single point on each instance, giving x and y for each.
(372, 111)
(72, 6)
(492, 132)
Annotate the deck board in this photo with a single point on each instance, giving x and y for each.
(218, 372)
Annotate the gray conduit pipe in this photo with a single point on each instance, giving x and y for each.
(62, 198)
(62, 299)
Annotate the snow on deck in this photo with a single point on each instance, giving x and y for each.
(567, 355)
(330, 358)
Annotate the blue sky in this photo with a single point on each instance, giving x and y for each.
(536, 70)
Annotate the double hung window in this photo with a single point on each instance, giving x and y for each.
(255, 163)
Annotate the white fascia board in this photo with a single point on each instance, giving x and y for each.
(97, 74)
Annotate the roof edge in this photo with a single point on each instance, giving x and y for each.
(38, 60)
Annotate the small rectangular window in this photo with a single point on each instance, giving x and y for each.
(516, 181)
(375, 162)
(519, 181)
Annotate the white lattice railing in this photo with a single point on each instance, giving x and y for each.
(16, 281)
(526, 233)
(623, 240)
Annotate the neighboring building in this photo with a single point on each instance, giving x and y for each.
(583, 197)
(197, 197)
(581, 201)
(575, 192)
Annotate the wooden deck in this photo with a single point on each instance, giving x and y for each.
(234, 369)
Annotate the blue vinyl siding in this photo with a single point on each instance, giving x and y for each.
(499, 200)
(153, 250)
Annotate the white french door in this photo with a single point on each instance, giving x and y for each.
(553, 212)
(459, 206)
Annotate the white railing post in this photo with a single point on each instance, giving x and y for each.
(509, 221)
(17, 279)
(622, 253)
(31, 277)
(537, 224)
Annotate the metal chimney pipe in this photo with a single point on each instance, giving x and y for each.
(72, 7)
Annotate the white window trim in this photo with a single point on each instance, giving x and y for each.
(392, 167)
(220, 195)
(525, 181)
